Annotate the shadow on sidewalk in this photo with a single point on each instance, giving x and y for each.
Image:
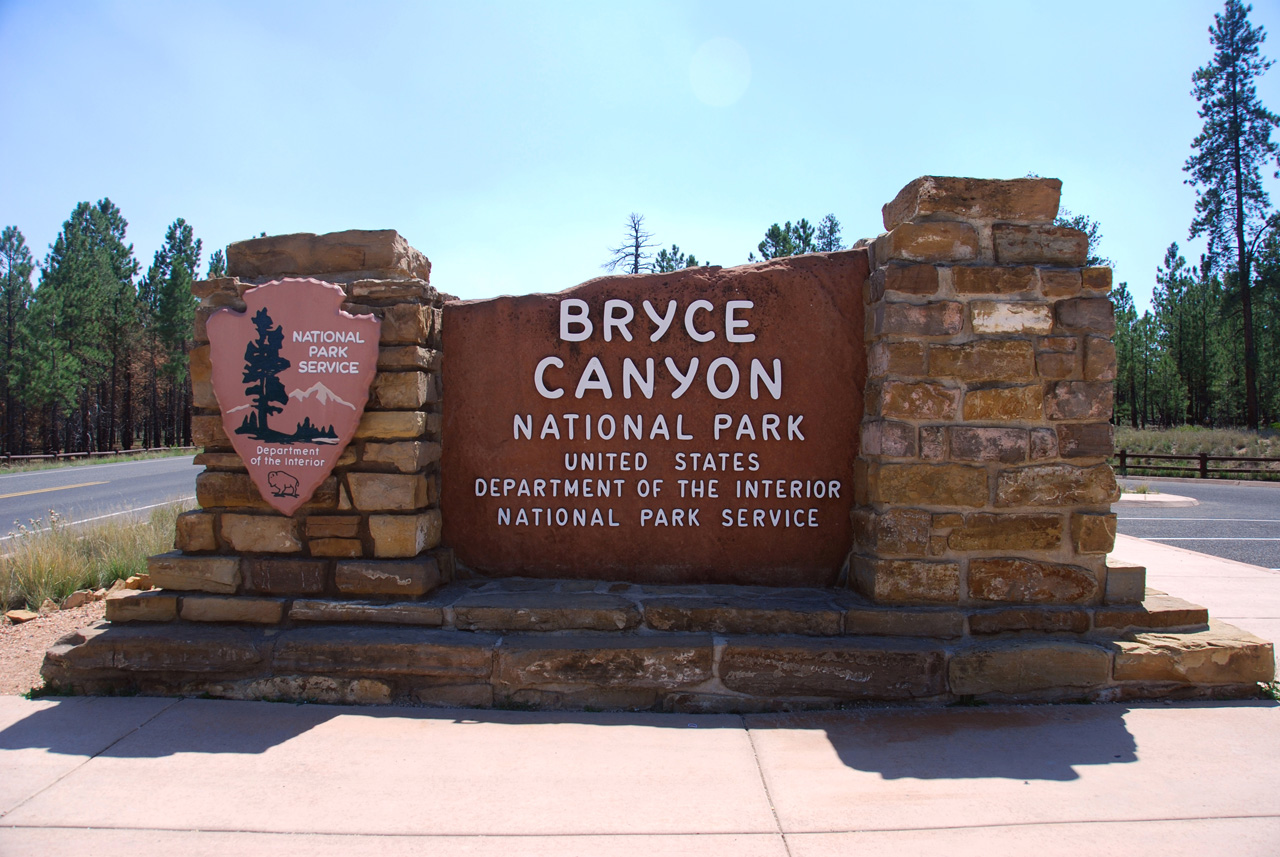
(1034, 742)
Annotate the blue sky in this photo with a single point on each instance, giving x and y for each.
(509, 141)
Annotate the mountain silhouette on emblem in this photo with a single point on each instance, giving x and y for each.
(322, 394)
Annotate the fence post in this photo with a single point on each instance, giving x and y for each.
(1124, 471)
(1204, 465)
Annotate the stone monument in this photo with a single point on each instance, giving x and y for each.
(877, 474)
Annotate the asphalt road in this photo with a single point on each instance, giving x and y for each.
(1233, 521)
(93, 491)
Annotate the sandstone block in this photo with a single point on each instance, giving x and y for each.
(1004, 404)
(1126, 584)
(376, 252)
(385, 651)
(284, 576)
(202, 396)
(1086, 440)
(544, 611)
(941, 318)
(1079, 400)
(1025, 581)
(333, 526)
(930, 485)
(219, 461)
(896, 532)
(907, 581)
(1155, 613)
(606, 661)
(405, 578)
(1097, 279)
(403, 357)
(404, 456)
(848, 669)
(229, 489)
(983, 360)
(1024, 200)
(1028, 666)
(128, 606)
(920, 280)
(1086, 314)
(1047, 620)
(404, 535)
(1099, 359)
(1060, 283)
(969, 443)
(224, 286)
(207, 431)
(154, 648)
(341, 548)
(933, 443)
(261, 533)
(305, 690)
(204, 573)
(918, 401)
(809, 614)
(398, 391)
(390, 289)
(904, 622)
(969, 280)
(394, 425)
(404, 324)
(987, 532)
(195, 531)
(1221, 655)
(1057, 485)
(896, 358)
(996, 317)
(889, 438)
(1040, 244)
(1044, 444)
(938, 241)
(394, 613)
(389, 492)
(240, 608)
(1055, 365)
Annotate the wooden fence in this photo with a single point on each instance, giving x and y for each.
(1200, 467)
(69, 456)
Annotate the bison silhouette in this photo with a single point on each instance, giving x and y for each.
(282, 484)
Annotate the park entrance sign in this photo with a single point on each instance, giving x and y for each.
(699, 426)
(292, 376)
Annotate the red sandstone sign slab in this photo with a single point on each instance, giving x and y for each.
(699, 426)
(292, 375)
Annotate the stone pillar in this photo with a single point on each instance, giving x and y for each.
(982, 474)
(372, 528)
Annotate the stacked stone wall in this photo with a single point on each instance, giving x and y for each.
(982, 477)
(372, 528)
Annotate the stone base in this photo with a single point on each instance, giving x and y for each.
(579, 644)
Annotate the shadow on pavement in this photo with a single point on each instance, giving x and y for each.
(1035, 742)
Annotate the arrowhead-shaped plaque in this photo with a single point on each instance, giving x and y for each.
(292, 375)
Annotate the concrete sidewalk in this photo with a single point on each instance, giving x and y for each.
(142, 776)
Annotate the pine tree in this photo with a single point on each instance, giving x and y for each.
(217, 265)
(15, 296)
(666, 262)
(262, 367)
(828, 240)
(1227, 161)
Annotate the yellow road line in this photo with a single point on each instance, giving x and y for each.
(45, 490)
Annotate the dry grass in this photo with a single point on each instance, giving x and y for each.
(1189, 440)
(51, 559)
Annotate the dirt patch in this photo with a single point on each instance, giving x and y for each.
(22, 647)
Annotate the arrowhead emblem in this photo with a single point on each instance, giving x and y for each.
(292, 375)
